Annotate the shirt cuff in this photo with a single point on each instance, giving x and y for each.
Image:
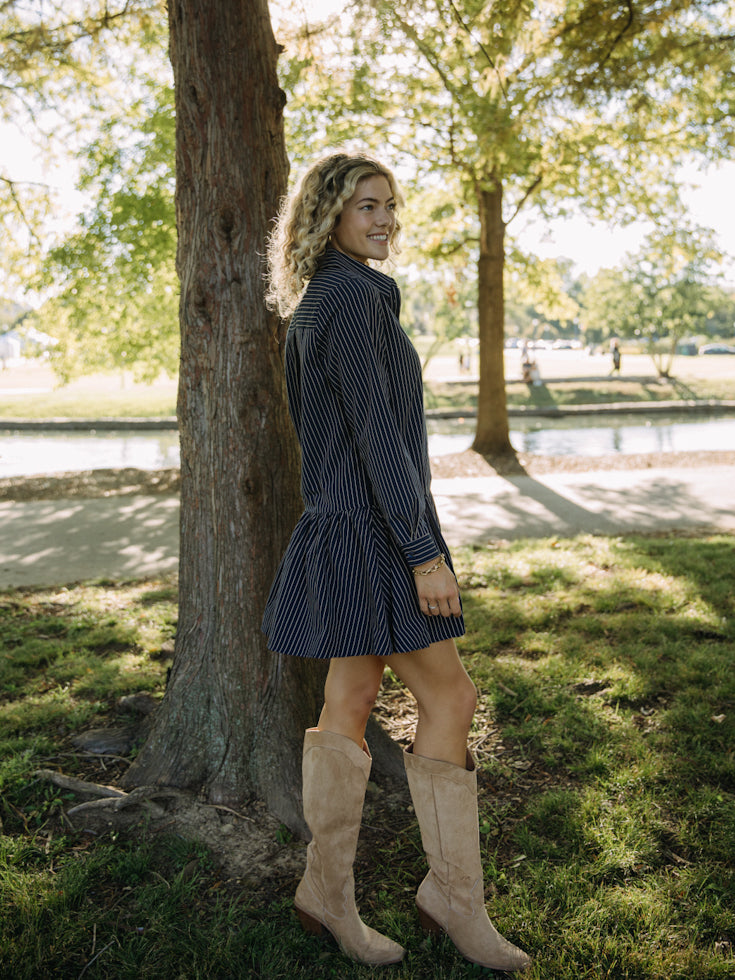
(420, 550)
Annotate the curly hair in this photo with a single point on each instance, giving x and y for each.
(308, 217)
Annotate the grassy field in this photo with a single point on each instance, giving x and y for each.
(605, 738)
(457, 396)
(31, 391)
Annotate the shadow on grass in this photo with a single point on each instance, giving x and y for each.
(607, 805)
(683, 390)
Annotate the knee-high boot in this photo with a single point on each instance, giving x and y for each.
(451, 897)
(335, 775)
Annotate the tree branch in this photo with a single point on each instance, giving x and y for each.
(89, 27)
(529, 193)
(422, 47)
(619, 36)
(468, 30)
(12, 186)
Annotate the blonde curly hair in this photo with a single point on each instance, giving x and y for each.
(308, 217)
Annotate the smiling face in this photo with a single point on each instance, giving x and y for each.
(367, 222)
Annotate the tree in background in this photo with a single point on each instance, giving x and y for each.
(662, 294)
(95, 83)
(60, 67)
(559, 106)
(115, 292)
(720, 313)
(539, 296)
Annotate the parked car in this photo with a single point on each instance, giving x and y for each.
(717, 349)
(687, 348)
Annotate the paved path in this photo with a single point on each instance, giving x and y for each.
(56, 542)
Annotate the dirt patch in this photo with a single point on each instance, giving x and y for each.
(90, 483)
(471, 464)
(248, 843)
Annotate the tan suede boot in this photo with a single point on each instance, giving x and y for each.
(451, 897)
(335, 774)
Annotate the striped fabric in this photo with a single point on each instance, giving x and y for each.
(345, 587)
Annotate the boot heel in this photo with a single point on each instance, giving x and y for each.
(427, 923)
(309, 923)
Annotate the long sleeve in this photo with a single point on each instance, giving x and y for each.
(360, 382)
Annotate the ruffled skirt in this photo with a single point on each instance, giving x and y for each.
(343, 589)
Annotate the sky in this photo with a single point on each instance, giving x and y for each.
(593, 246)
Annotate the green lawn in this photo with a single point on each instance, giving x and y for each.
(33, 392)
(605, 737)
(582, 391)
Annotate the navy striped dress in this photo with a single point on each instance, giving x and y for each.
(344, 587)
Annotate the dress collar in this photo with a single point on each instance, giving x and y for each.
(335, 261)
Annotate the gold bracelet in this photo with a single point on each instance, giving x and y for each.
(441, 560)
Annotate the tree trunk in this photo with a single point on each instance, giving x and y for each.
(232, 719)
(491, 436)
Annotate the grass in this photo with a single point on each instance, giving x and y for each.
(83, 405)
(95, 396)
(459, 396)
(605, 738)
(120, 396)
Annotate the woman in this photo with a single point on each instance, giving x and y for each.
(366, 581)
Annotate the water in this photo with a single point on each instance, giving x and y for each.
(595, 435)
(26, 454)
(29, 453)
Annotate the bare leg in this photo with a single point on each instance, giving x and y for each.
(349, 695)
(446, 699)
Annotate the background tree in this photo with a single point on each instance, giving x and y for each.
(115, 292)
(94, 82)
(662, 294)
(60, 68)
(720, 313)
(539, 296)
(557, 106)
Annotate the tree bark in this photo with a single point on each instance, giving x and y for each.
(232, 719)
(491, 435)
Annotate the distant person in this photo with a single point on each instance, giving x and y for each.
(530, 373)
(615, 351)
(526, 362)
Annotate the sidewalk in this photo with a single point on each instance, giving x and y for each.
(56, 542)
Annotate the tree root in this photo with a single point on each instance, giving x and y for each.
(247, 843)
(109, 806)
(78, 786)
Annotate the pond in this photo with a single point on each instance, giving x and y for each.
(29, 453)
(596, 435)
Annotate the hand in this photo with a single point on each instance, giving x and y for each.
(438, 593)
